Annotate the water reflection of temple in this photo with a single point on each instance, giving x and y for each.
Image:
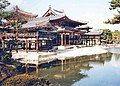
(73, 70)
(69, 74)
(53, 28)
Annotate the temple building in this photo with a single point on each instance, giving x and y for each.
(58, 26)
(21, 16)
(7, 27)
(89, 38)
(53, 28)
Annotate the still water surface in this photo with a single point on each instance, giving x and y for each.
(97, 70)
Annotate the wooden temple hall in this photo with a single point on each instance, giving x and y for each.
(53, 28)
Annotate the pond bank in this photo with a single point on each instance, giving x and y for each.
(43, 57)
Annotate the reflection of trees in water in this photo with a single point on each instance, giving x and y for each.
(106, 57)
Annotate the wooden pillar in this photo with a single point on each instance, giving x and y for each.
(77, 39)
(62, 62)
(86, 42)
(17, 38)
(36, 70)
(69, 39)
(3, 44)
(16, 33)
(61, 39)
(92, 41)
(37, 44)
(95, 42)
(65, 39)
(26, 46)
(89, 42)
(29, 45)
(73, 39)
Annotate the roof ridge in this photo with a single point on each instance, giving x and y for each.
(58, 11)
(52, 11)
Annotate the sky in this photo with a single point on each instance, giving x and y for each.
(95, 12)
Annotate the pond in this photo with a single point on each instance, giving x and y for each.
(97, 70)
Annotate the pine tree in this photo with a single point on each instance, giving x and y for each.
(114, 5)
(3, 4)
(107, 35)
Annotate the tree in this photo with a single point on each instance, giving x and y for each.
(116, 36)
(3, 4)
(107, 35)
(3, 14)
(7, 21)
(114, 5)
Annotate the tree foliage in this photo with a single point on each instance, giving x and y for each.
(4, 4)
(114, 4)
(116, 36)
(3, 13)
(107, 35)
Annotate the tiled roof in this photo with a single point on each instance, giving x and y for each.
(18, 10)
(64, 31)
(83, 27)
(40, 22)
(53, 12)
(37, 23)
(49, 17)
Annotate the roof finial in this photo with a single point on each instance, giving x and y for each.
(49, 6)
(16, 7)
